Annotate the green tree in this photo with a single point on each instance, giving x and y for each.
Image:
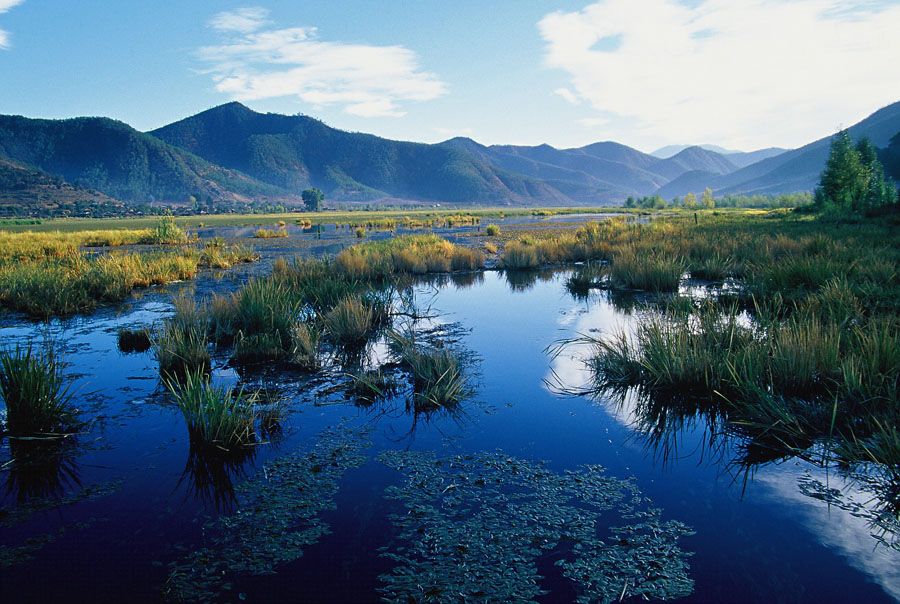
(312, 199)
(842, 183)
(708, 201)
(690, 201)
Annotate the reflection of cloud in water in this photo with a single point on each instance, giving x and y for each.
(568, 369)
(841, 530)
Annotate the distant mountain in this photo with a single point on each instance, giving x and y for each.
(116, 159)
(295, 152)
(799, 169)
(236, 155)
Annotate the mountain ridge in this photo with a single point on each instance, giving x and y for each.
(233, 154)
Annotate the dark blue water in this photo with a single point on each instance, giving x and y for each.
(757, 538)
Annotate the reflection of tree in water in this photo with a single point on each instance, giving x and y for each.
(41, 468)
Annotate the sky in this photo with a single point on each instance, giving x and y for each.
(742, 74)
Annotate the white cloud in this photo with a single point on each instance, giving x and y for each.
(745, 73)
(242, 20)
(255, 62)
(5, 5)
(568, 95)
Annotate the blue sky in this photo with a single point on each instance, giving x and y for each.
(739, 73)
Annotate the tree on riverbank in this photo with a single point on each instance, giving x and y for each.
(854, 179)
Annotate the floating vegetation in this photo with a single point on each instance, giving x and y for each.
(476, 525)
(277, 515)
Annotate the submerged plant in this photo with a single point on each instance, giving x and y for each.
(34, 390)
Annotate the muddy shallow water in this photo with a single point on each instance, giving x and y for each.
(352, 502)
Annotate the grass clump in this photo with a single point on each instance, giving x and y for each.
(350, 322)
(216, 417)
(270, 233)
(305, 346)
(134, 340)
(436, 373)
(655, 272)
(34, 391)
(406, 255)
(182, 345)
(492, 230)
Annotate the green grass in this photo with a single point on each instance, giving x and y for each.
(182, 345)
(350, 323)
(270, 234)
(34, 391)
(646, 270)
(217, 418)
(492, 230)
(436, 373)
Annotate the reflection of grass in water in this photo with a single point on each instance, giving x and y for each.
(42, 469)
(211, 474)
(277, 515)
(476, 525)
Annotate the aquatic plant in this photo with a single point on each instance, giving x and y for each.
(518, 256)
(436, 372)
(305, 346)
(350, 322)
(474, 527)
(277, 515)
(37, 398)
(182, 345)
(270, 233)
(649, 271)
(492, 230)
(216, 417)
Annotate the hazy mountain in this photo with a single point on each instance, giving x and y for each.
(231, 153)
(112, 157)
(295, 152)
(799, 170)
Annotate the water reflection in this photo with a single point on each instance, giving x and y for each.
(41, 468)
(210, 475)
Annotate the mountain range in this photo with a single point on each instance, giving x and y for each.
(231, 153)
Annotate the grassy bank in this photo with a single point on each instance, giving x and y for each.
(46, 274)
(800, 352)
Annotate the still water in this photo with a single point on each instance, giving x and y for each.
(127, 511)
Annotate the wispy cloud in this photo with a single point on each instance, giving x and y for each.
(257, 61)
(242, 20)
(728, 71)
(5, 5)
